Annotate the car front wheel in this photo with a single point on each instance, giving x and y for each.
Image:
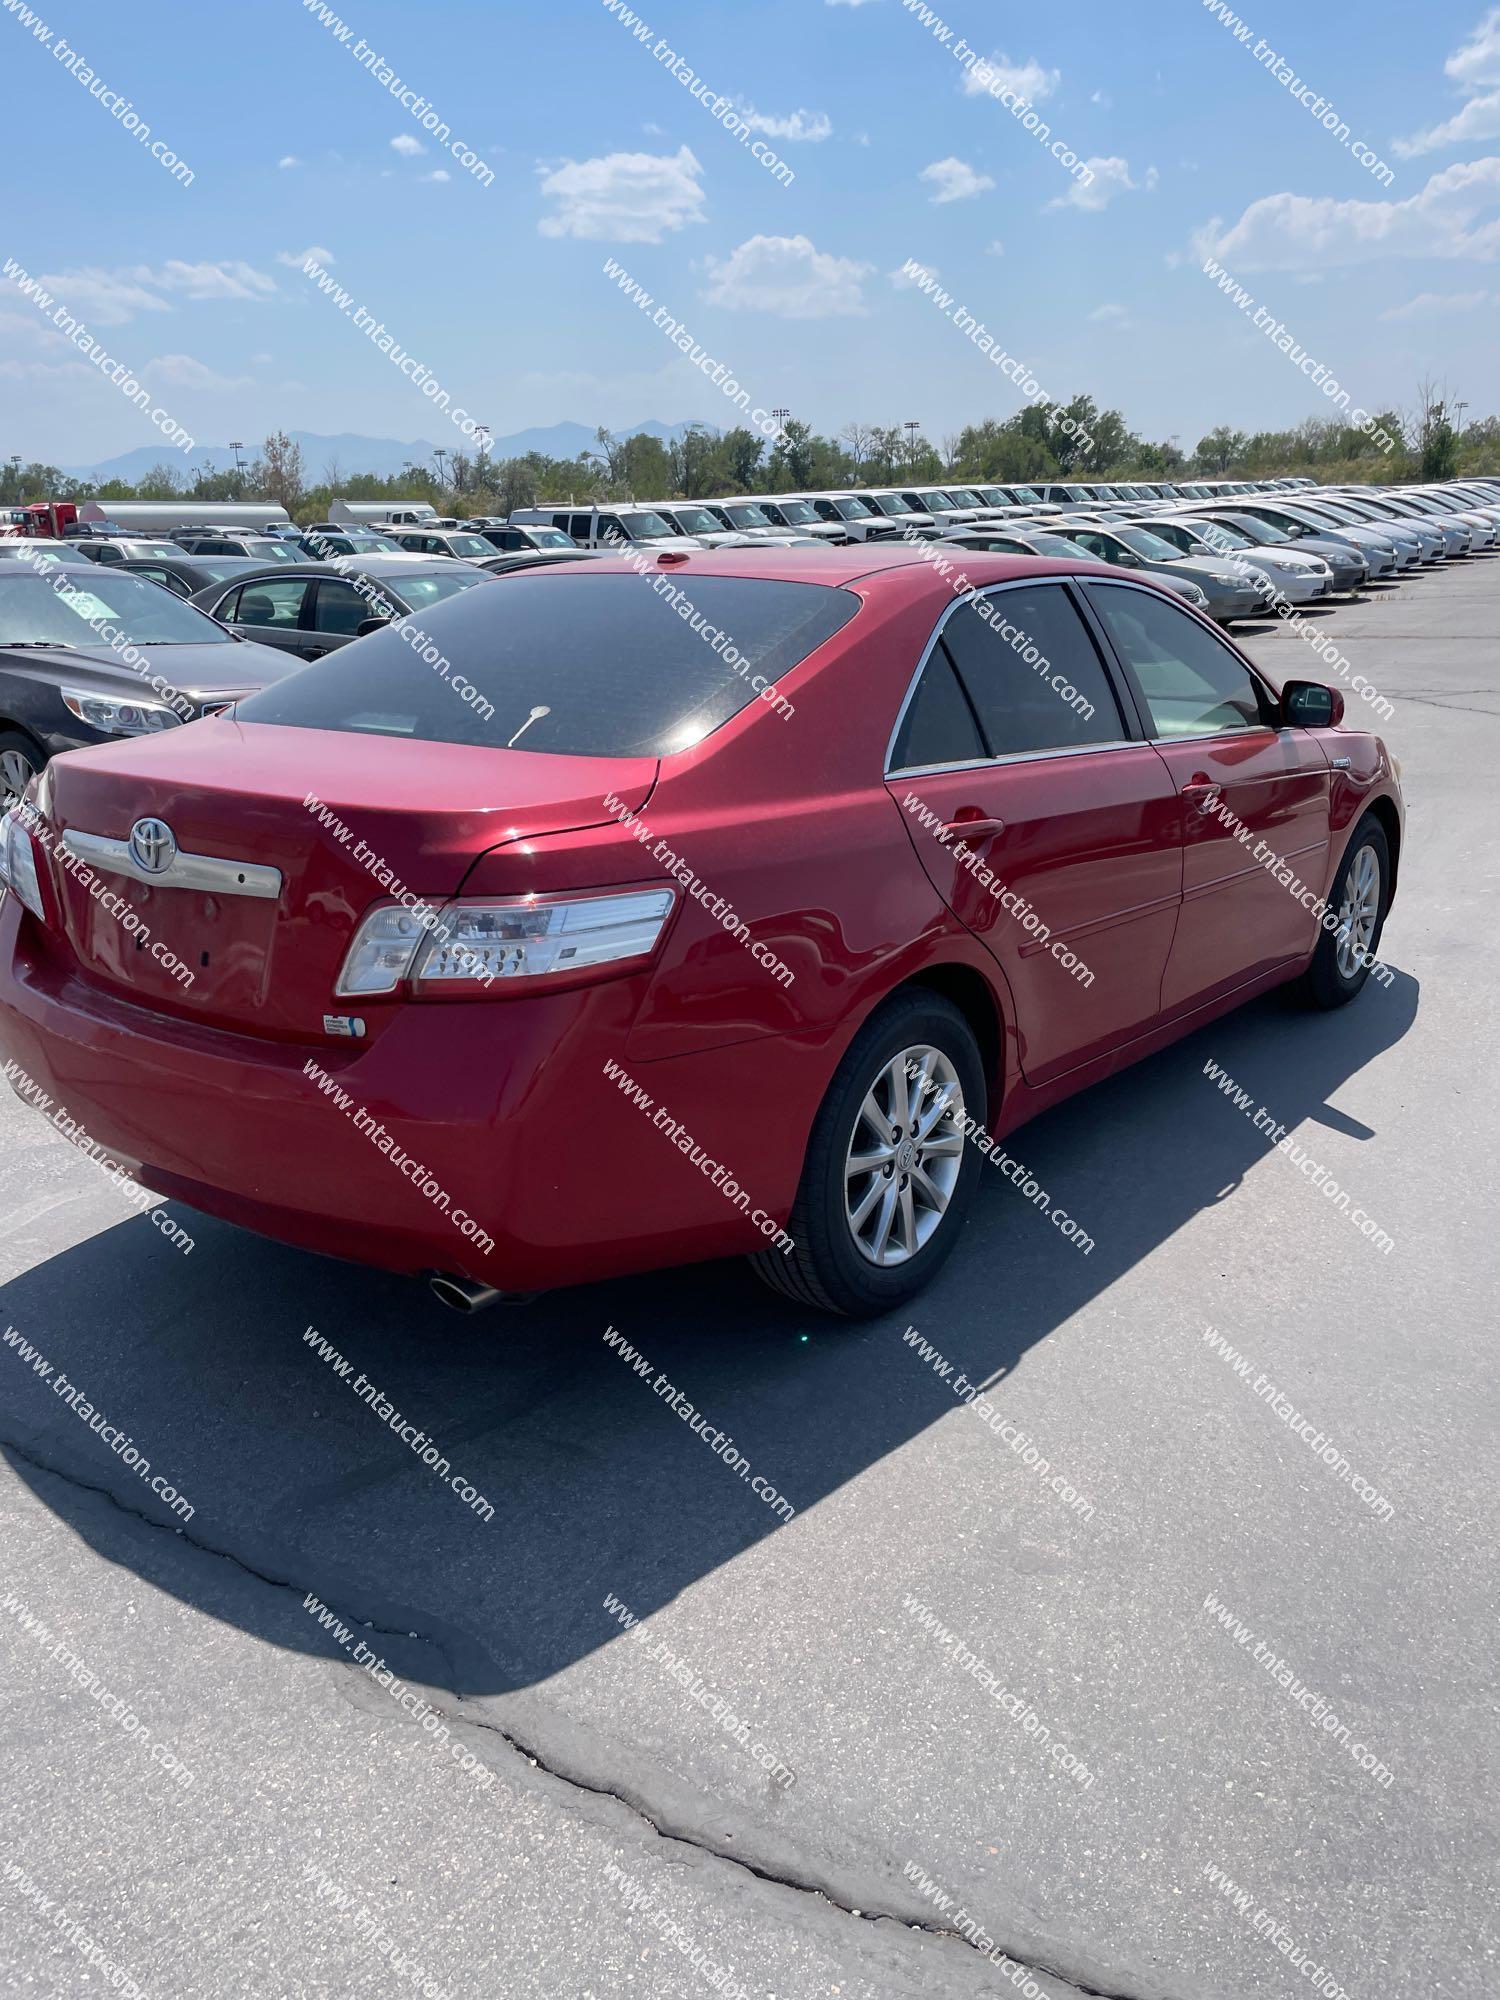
(1360, 898)
(889, 1170)
(20, 760)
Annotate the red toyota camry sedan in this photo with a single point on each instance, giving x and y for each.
(710, 903)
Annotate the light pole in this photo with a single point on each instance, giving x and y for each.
(911, 428)
(780, 418)
(440, 453)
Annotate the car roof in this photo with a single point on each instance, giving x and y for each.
(897, 570)
(389, 567)
(191, 561)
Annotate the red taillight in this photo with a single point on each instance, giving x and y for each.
(480, 941)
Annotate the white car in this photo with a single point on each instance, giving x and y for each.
(1300, 579)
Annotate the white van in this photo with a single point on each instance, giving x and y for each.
(624, 526)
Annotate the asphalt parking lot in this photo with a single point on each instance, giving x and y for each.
(1065, 1767)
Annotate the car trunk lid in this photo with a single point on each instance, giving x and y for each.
(343, 820)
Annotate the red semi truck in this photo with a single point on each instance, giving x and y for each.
(50, 518)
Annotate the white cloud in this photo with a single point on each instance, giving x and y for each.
(1290, 232)
(1108, 313)
(181, 371)
(848, 3)
(408, 145)
(810, 125)
(1436, 302)
(1475, 68)
(623, 197)
(438, 174)
(994, 248)
(906, 281)
(1479, 119)
(1478, 62)
(1028, 80)
(297, 259)
(787, 276)
(954, 180)
(289, 160)
(110, 297)
(1103, 98)
(229, 279)
(1111, 177)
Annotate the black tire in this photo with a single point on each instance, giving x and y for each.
(1325, 983)
(14, 744)
(825, 1267)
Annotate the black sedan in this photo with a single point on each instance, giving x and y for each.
(317, 607)
(185, 575)
(89, 654)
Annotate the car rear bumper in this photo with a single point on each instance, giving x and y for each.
(481, 1138)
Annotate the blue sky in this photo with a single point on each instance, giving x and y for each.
(597, 151)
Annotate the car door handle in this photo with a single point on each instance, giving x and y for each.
(1202, 788)
(971, 829)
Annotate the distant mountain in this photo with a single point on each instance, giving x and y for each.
(352, 453)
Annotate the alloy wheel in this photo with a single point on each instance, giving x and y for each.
(1358, 912)
(904, 1155)
(16, 773)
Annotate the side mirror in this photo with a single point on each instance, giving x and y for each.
(368, 625)
(1310, 705)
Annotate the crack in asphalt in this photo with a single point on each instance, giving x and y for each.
(664, 1830)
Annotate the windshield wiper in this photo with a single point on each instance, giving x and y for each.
(40, 645)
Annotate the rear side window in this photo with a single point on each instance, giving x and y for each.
(1032, 671)
(338, 607)
(1193, 684)
(588, 666)
(938, 727)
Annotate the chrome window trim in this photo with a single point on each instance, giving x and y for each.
(1010, 756)
(209, 872)
(1018, 757)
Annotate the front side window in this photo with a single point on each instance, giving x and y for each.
(1193, 684)
(271, 600)
(590, 665)
(1103, 548)
(1032, 672)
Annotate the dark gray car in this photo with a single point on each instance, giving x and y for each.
(318, 607)
(65, 686)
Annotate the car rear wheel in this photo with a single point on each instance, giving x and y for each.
(20, 760)
(1341, 964)
(889, 1172)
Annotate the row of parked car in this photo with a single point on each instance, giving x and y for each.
(1233, 550)
(217, 941)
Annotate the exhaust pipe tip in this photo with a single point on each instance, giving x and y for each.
(462, 1294)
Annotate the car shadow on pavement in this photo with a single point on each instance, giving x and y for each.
(596, 1485)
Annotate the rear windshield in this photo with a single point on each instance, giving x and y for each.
(589, 666)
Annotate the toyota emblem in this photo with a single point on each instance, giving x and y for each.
(153, 846)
